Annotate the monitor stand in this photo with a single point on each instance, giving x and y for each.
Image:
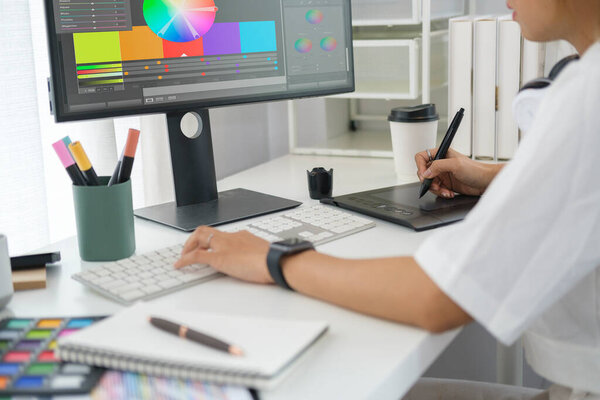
(197, 200)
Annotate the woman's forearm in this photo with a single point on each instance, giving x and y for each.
(392, 288)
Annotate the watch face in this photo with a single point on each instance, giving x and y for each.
(291, 242)
(292, 245)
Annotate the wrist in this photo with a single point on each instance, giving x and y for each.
(279, 252)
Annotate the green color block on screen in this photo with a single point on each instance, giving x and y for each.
(39, 334)
(19, 323)
(93, 47)
(4, 344)
(41, 369)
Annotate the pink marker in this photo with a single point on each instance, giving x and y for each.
(67, 161)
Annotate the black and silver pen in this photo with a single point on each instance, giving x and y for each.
(446, 142)
(195, 336)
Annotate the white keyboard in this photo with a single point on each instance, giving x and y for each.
(150, 275)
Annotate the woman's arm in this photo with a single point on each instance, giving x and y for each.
(392, 288)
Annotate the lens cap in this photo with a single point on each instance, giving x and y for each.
(420, 113)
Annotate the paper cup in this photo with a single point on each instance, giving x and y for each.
(413, 129)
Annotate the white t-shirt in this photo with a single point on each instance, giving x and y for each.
(526, 260)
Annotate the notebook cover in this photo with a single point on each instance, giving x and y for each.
(128, 342)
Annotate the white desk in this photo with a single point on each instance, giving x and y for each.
(359, 358)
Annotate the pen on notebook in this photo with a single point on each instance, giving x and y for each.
(67, 161)
(128, 155)
(84, 164)
(446, 142)
(195, 336)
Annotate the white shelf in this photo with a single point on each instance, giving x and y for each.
(390, 69)
(401, 12)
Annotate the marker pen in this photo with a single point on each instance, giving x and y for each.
(128, 155)
(115, 175)
(67, 141)
(68, 163)
(84, 164)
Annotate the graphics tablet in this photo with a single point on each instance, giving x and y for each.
(401, 205)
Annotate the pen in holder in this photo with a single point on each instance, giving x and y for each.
(104, 216)
(320, 183)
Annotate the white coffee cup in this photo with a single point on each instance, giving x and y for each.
(413, 129)
(6, 285)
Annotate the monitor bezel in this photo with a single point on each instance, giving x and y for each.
(56, 85)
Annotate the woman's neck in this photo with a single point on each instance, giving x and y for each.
(585, 16)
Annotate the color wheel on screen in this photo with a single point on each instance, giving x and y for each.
(180, 20)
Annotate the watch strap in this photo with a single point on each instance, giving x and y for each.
(274, 264)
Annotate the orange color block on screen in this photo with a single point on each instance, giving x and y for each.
(194, 48)
(3, 382)
(140, 44)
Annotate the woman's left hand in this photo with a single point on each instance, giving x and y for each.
(241, 254)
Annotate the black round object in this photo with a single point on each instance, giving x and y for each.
(420, 113)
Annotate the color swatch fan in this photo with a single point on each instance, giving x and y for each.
(180, 20)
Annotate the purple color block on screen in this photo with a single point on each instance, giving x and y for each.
(223, 38)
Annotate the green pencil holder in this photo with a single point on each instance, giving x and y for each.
(104, 217)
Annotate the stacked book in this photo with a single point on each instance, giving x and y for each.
(488, 62)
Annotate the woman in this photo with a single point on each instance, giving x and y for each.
(525, 260)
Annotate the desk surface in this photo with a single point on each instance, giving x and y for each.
(359, 358)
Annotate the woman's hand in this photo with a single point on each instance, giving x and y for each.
(455, 173)
(241, 255)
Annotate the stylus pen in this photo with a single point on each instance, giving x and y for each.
(84, 164)
(446, 142)
(195, 336)
(67, 162)
(128, 155)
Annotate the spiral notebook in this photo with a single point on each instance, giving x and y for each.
(127, 341)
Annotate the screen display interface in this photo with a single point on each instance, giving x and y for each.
(119, 55)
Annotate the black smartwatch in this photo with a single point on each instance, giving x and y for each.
(277, 251)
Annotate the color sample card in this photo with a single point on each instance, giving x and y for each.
(28, 364)
(126, 385)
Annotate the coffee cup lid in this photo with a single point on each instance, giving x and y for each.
(420, 113)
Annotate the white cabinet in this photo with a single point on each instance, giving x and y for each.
(398, 60)
(401, 12)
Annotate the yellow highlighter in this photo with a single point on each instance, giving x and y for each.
(84, 164)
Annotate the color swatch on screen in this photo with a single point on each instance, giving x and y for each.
(314, 16)
(140, 43)
(180, 20)
(328, 43)
(303, 45)
(96, 47)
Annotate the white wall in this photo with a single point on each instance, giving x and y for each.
(23, 212)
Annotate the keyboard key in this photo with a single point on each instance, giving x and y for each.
(132, 295)
(169, 283)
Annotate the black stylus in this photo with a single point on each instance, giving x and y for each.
(446, 142)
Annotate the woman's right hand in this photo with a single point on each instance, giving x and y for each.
(456, 173)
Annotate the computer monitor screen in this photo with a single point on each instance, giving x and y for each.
(121, 57)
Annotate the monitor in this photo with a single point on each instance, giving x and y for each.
(181, 57)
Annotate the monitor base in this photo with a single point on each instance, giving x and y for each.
(232, 205)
